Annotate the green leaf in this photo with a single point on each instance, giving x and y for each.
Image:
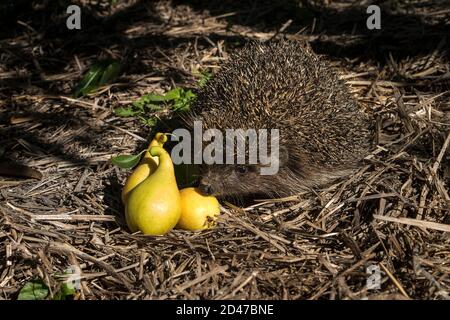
(153, 97)
(190, 95)
(111, 73)
(179, 106)
(99, 74)
(127, 161)
(89, 81)
(173, 94)
(206, 76)
(185, 102)
(65, 291)
(178, 99)
(125, 112)
(139, 104)
(148, 121)
(154, 107)
(151, 101)
(33, 290)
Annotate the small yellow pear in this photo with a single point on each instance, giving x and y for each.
(198, 211)
(147, 165)
(154, 206)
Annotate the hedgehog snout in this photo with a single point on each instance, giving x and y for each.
(205, 187)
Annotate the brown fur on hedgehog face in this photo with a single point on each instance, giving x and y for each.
(243, 180)
(246, 179)
(285, 86)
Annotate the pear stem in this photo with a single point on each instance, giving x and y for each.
(161, 138)
(158, 140)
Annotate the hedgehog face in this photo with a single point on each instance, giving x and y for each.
(236, 180)
(240, 180)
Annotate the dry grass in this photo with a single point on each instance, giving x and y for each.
(393, 213)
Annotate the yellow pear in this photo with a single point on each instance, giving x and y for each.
(198, 211)
(154, 206)
(147, 165)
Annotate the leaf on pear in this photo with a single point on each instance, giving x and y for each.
(127, 161)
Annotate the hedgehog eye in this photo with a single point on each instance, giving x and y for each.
(242, 169)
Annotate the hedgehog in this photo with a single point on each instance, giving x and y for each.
(323, 133)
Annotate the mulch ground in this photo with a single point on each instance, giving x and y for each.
(391, 215)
